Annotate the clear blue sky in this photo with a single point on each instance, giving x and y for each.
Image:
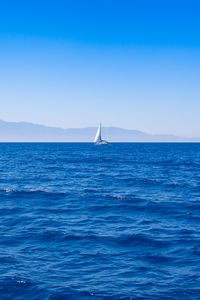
(132, 64)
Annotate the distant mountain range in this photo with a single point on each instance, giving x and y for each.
(28, 132)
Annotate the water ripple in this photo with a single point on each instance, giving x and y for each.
(84, 222)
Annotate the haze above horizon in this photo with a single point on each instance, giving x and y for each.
(135, 64)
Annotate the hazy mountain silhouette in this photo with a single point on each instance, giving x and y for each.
(28, 132)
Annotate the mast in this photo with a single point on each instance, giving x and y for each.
(100, 131)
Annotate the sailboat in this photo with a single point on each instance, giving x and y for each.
(98, 140)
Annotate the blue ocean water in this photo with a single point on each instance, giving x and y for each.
(79, 221)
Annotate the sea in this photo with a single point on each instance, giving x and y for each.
(117, 221)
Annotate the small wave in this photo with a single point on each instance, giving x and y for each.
(159, 259)
(20, 288)
(116, 196)
(141, 239)
(31, 191)
(9, 190)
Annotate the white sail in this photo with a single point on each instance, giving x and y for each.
(98, 135)
(98, 140)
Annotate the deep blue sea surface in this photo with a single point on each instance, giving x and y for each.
(79, 221)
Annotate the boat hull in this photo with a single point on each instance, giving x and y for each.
(101, 143)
